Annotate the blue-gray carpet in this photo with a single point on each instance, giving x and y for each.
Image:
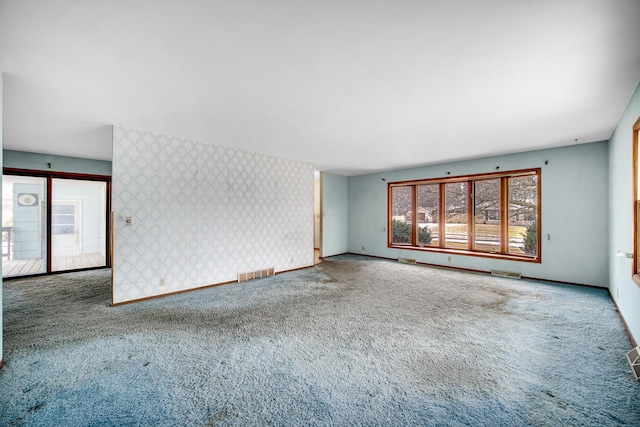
(352, 341)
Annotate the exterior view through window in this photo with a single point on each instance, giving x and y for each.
(494, 215)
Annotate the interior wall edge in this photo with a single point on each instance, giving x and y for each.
(188, 213)
(622, 288)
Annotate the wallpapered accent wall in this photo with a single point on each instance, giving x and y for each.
(201, 213)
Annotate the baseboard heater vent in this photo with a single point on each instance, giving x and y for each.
(407, 260)
(258, 274)
(633, 357)
(510, 274)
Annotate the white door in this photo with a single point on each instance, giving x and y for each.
(66, 228)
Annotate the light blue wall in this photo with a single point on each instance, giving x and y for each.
(335, 214)
(37, 161)
(625, 292)
(574, 213)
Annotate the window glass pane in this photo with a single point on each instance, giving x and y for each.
(78, 231)
(401, 214)
(63, 219)
(523, 211)
(486, 197)
(24, 227)
(63, 209)
(63, 229)
(456, 215)
(428, 214)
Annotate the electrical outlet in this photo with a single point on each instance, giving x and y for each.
(449, 258)
(363, 248)
(128, 220)
(161, 281)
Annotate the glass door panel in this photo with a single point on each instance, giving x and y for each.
(78, 224)
(24, 227)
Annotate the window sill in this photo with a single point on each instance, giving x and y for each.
(476, 254)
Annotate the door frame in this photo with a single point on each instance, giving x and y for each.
(50, 176)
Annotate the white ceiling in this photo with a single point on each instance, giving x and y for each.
(350, 86)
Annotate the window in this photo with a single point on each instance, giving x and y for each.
(486, 218)
(456, 214)
(523, 206)
(401, 215)
(636, 202)
(63, 219)
(494, 215)
(428, 215)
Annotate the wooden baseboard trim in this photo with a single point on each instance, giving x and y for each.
(199, 288)
(634, 343)
(561, 282)
(426, 264)
(293, 269)
(344, 253)
(117, 304)
(1, 363)
(449, 267)
(471, 270)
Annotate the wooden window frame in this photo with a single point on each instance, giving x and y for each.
(49, 177)
(470, 179)
(635, 273)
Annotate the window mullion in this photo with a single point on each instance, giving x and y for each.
(414, 215)
(504, 215)
(49, 220)
(389, 213)
(441, 217)
(470, 216)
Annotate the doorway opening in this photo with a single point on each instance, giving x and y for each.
(317, 217)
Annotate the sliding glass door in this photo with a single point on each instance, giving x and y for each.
(54, 222)
(78, 224)
(24, 225)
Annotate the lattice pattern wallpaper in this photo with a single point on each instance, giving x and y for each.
(201, 213)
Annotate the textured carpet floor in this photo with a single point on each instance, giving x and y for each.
(352, 341)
